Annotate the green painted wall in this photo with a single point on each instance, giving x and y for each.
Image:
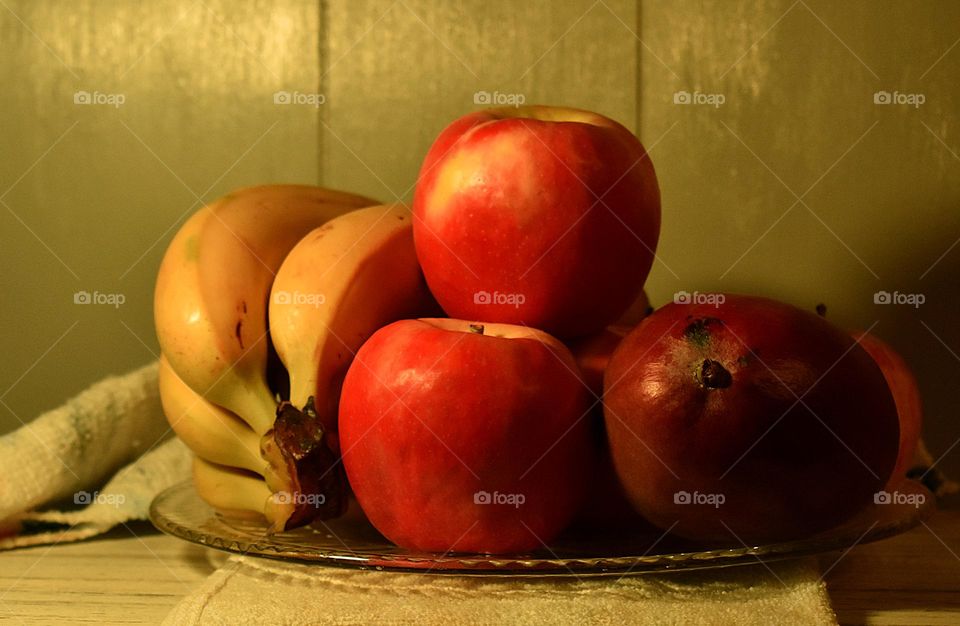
(398, 73)
(91, 194)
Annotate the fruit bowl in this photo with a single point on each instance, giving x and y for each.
(354, 543)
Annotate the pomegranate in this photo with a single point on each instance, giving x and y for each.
(746, 419)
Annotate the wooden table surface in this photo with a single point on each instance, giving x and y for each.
(135, 575)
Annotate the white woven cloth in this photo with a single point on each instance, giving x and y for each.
(93, 463)
(249, 590)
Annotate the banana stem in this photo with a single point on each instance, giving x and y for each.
(304, 473)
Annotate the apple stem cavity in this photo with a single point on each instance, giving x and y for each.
(476, 328)
(712, 375)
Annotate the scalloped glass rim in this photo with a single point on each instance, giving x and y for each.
(354, 543)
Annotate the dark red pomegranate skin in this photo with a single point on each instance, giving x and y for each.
(754, 402)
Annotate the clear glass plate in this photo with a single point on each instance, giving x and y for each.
(354, 543)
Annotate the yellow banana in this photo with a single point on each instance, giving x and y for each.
(212, 433)
(231, 491)
(339, 285)
(213, 284)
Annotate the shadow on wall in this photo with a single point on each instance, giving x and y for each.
(925, 334)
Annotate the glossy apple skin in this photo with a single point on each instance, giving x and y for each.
(506, 203)
(786, 469)
(906, 395)
(429, 417)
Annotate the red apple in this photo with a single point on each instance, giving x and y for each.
(747, 420)
(541, 216)
(464, 437)
(640, 308)
(593, 353)
(606, 506)
(906, 394)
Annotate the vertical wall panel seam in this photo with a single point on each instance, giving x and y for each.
(638, 59)
(323, 50)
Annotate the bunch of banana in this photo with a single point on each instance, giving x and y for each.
(212, 432)
(337, 272)
(212, 288)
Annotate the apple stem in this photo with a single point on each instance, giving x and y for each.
(712, 375)
(822, 309)
(476, 328)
